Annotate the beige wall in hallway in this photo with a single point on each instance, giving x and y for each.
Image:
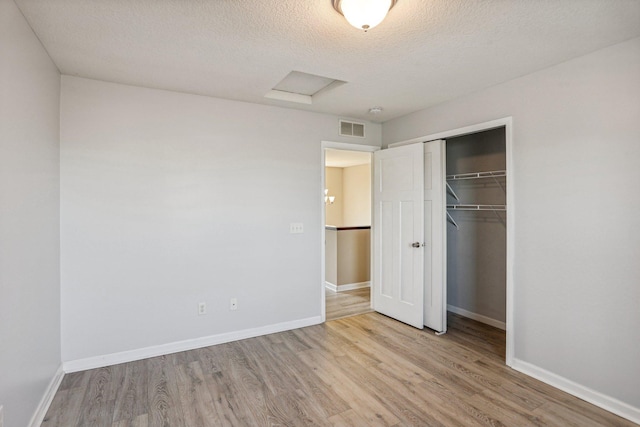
(356, 188)
(351, 187)
(354, 258)
(331, 257)
(333, 182)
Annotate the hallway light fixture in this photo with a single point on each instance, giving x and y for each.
(364, 14)
(328, 200)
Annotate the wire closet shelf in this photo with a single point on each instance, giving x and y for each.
(474, 207)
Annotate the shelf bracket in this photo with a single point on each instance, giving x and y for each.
(499, 217)
(453, 221)
(499, 183)
(453, 193)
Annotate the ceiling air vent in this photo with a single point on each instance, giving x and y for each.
(351, 129)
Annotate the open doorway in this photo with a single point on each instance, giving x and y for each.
(347, 231)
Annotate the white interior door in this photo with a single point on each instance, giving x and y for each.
(435, 251)
(398, 233)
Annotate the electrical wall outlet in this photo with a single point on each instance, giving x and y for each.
(233, 304)
(296, 228)
(202, 308)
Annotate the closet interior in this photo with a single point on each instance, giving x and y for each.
(476, 232)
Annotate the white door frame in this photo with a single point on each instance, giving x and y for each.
(507, 123)
(336, 146)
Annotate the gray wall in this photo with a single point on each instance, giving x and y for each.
(476, 252)
(29, 218)
(576, 146)
(170, 199)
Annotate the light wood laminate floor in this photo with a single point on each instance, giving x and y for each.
(347, 303)
(365, 370)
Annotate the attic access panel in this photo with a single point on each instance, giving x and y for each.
(301, 87)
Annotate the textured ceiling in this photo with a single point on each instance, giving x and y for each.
(424, 53)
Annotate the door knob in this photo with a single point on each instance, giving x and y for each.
(417, 244)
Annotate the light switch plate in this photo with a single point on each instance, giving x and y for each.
(296, 228)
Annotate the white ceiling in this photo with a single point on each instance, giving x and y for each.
(426, 51)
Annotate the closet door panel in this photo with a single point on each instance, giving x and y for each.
(435, 285)
(387, 257)
(398, 232)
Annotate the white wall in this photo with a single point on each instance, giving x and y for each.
(29, 218)
(576, 180)
(170, 199)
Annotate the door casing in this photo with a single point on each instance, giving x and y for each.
(337, 146)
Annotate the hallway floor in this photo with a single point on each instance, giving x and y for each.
(347, 303)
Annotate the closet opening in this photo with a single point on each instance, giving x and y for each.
(468, 226)
(476, 237)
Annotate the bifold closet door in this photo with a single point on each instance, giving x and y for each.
(435, 251)
(398, 233)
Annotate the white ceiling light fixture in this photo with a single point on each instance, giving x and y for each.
(364, 14)
(328, 200)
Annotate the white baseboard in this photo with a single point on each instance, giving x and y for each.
(477, 317)
(175, 347)
(47, 398)
(352, 286)
(346, 286)
(603, 401)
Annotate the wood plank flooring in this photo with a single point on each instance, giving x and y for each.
(366, 370)
(347, 303)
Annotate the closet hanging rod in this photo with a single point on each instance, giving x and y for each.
(476, 175)
(477, 207)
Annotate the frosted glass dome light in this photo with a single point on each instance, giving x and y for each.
(364, 14)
